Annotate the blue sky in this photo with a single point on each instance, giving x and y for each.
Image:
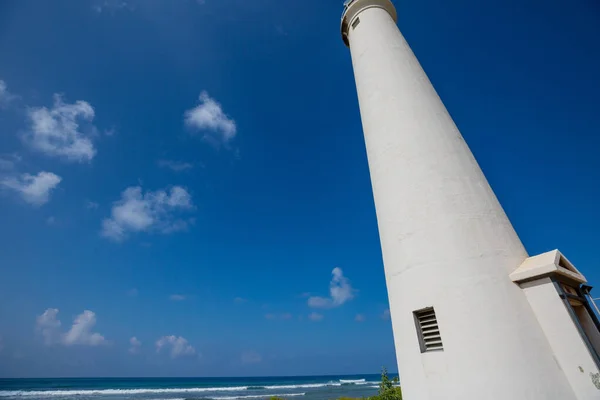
(193, 175)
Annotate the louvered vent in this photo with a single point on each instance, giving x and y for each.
(428, 330)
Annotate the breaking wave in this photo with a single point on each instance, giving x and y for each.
(257, 396)
(205, 391)
(112, 392)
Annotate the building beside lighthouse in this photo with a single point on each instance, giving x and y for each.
(474, 316)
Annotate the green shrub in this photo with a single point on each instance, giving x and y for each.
(388, 388)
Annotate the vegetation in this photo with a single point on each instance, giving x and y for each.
(388, 389)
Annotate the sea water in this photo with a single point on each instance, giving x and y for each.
(300, 388)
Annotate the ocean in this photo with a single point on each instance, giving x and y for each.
(300, 388)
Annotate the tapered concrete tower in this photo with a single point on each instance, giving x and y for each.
(463, 330)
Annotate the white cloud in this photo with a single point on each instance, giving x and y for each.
(135, 345)
(250, 357)
(319, 302)
(8, 162)
(146, 6)
(340, 292)
(56, 131)
(209, 117)
(34, 189)
(49, 326)
(90, 205)
(112, 6)
(386, 314)
(179, 346)
(315, 316)
(240, 300)
(177, 297)
(359, 318)
(80, 332)
(176, 166)
(110, 132)
(281, 316)
(5, 96)
(51, 220)
(147, 212)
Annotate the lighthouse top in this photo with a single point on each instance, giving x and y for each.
(354, 7)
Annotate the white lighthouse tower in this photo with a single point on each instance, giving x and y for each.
(473, 317)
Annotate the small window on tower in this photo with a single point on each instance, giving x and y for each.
(355, 23)
(428, 330)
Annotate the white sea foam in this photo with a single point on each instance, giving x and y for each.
(319, 385)
(118, 392)
(302, 386)
(257, 396)
(109, 392)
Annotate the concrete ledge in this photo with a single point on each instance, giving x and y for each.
(546, 264)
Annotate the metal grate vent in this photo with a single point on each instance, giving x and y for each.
(428, 330)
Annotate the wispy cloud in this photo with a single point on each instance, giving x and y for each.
(34, 189)
(315, 316)
(110, 131)
(150, 212)
(90, 205)
(250, 357)
(280, 316)
(386, 314)
(340, 292)
(360, 318)
(240, 300)
(8, 162)
(6, 97)
(177, 297)
(133, 292)
(80, 332)
(111, 6)
(56, 131)
(210, 118)
(280, 30)
(177, 166)
(178, 346)
(134, 345)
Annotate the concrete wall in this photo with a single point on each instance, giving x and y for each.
(588, 326)
(570, 351)
(446, 240)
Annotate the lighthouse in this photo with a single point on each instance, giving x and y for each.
(473, 316)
